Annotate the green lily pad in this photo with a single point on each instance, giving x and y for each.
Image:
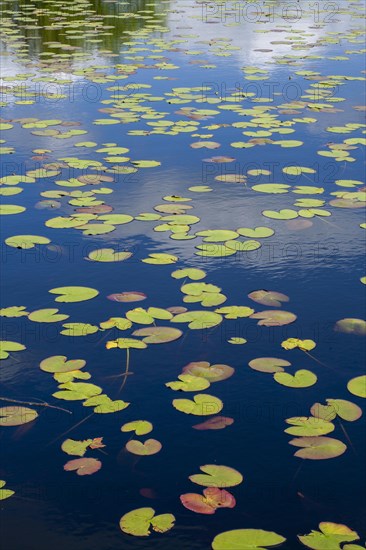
(60, 364)
(268, 297)
(78, 329)
(201, 405)
(309, 426)
(139, 522)
(301, 379)
(235, 312)
(212, 373)
(7, 209)
(7, 346)
(198, 320)
(188, 382)
(158, 335)
(74, 293)
(26, 241)
(13, 311)
(126, 343)
(16, 415)
(256, 233)
(356, 386)
(190, 272)
(108, 255)
(49, 315)
(140, 427)
(274, 317)
(160, 259)
(248, 539)
(217, 476)
(75, 448)
(268, 364)
(149, 447)
(330, 536)
(318, 448)
(351, 326)
(5, 493)
(77, 391)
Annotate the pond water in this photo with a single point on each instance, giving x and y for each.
(185, 117)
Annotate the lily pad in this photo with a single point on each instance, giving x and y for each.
(268, 297)
(149, 447)
(140, 427)
(198, 320)
(318, 448)
(248, 539)
(188, 382)
(309, 426)
(217, 476)
(329, 537)
(60, 364)
(16, 415)
(108, 255)
(274, 318)
(215, 423)
(83, 466)
(139, 522)
(301, 379)
(357, 386)
(74, 293)
(351, 326)
(201, 405)
(212, 499)
(26, 241)
(158, 335)
(269, 364)
(212, 373)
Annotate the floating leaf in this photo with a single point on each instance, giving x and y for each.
(256, 233)
(268, 364)
(13, 311)
(309, 426)
(149, 447)
(83, 466)
(212, 499)
(188, 382)
(292, 343)
(215, 423)
(126, 343)
(351, 326)
(158, 335)
(198, 319)
(140, 427)
(16, 416)
(78, 329)
(74, 293)
(337, 407)
(330, 536)
(76, 391)
(5, 493)
(201, 405)
(26, 241)
(108, 255)
(301, 379)
(49, 315)
(160, 259)
(60, 364)
(248, 539)
(212, 373)
(217, 476)
(138, 522)
(268, 297)
(357, 386)
(235, 312)
(274, 317)
(191, 272)
(318, 448)
(76, 448)
(7, 346)
(130, 296)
